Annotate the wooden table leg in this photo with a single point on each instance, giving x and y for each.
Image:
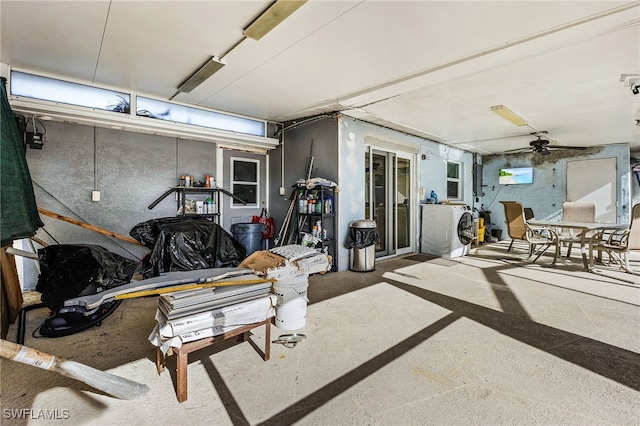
(182, 353)
(267, 339)
(160, 361)
(181, 375)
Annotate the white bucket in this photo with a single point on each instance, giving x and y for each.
(291, 308)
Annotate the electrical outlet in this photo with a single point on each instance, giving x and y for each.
(35, 140)
(95, 195)
(282, 190)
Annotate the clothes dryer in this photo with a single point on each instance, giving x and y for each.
(447, 230)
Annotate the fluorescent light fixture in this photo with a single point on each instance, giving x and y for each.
(272, 17)
(509, 115)
(210, 67)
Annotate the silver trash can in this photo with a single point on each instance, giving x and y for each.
(363, 237)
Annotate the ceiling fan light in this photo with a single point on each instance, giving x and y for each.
(509, 115)
(271, 18)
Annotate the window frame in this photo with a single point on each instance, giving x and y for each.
(232, 182)
(457, 181)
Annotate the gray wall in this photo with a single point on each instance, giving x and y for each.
(130, 170)
(296, 148)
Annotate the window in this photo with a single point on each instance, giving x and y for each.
(245, 180)
(26, 87)
(453, 181)
(198, 117)
(51, 89)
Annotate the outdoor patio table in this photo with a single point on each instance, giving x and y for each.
(584, 228)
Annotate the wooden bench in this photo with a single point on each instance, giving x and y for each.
(183, 352)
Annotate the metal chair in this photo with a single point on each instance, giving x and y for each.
(617, 244)
(573, 211)
(538, 238)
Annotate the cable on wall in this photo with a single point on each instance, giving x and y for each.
(95, 158)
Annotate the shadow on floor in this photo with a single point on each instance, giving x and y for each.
(620, 365)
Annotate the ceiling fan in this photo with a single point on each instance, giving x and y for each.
(542, 145)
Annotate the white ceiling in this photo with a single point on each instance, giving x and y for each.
(430, 68)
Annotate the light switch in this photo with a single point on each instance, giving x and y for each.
(95, 195)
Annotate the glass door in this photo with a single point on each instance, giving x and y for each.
(388, 199)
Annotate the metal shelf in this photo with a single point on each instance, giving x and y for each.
(328, 245)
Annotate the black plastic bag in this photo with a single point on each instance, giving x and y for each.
(68, 271)
(361, 238)
(186, 244)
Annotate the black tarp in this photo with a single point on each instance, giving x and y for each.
(18, 211)
(186, 244)
(361, 238)
(71, 270)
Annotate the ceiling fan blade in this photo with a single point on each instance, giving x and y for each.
(519, 135)
(516, 150)
(566, 147)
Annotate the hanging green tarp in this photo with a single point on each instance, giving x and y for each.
(19, 213)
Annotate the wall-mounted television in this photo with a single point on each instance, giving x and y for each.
(515, 176)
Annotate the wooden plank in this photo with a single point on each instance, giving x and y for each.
(12, 291)
(88, 226)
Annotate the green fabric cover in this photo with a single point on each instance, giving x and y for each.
(19, 213)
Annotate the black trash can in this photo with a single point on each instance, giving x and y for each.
(249, 235)
(362, 239)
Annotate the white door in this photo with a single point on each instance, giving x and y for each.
(594, 181)
(244, 175)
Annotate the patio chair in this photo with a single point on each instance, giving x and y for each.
(574, 211)
(539, 239)
(528, 213)
(617, 244)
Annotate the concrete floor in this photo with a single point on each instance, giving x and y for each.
(485, 339)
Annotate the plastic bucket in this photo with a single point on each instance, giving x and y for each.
(249, 235)
(291, 307)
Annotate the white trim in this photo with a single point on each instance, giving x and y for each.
(459, 179)
(257, 183)
(247, 149)
(266, 184)
(90, 117)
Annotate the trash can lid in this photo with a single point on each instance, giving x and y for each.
(256, 227)
(363, 223)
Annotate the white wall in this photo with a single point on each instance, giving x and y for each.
(430, 173)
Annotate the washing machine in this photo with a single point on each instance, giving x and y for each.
(447, 230)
